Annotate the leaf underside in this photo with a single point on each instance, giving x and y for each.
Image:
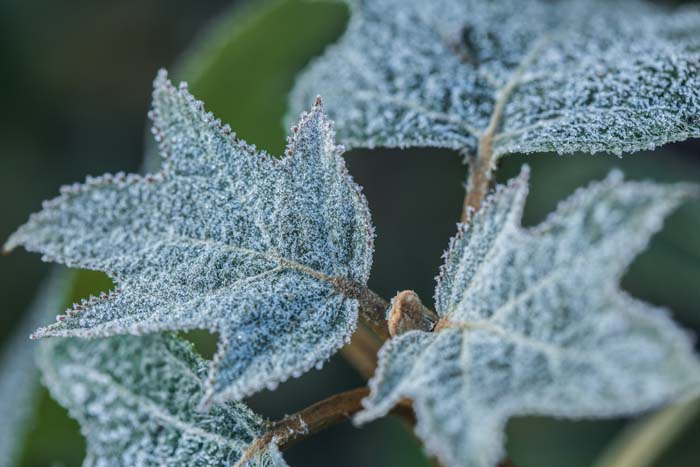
(136, 401)
(569, 75)
(224, 238)
(533, 323)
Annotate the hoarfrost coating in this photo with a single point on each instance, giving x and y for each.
(533, 322)
(224, 238)
(563, 76)
(136, 401)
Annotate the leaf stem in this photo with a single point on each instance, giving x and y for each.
(480, 170)
(317, 417)
(482, 166)
(372, 306)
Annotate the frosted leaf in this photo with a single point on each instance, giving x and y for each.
(533, 323)
(136, 401)
(224, 238)
(19, 379)
(572, 75)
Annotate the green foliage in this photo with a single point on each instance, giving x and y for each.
(19, 380)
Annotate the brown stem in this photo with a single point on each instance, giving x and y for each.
(372, 307)
(319, 416)
(481, 167)
(292, 429)
(480, 170)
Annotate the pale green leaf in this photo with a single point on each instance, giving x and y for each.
(564, 76)
(19, 380)
(224, 238)
(533, 323)
(136, 401)
(642, 443)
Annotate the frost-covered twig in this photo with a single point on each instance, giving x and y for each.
(317, 417)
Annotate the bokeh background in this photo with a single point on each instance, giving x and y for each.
(75, 88)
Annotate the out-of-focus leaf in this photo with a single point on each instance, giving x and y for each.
(18, 374)
(641, 444)
(533, 323)
(535, 75)
(136, 397)
(674, 252)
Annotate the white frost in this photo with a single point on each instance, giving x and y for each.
(538, 324)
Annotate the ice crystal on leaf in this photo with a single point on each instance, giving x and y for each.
(564, 76)
(224, 238)
(136, 401)
(532, 322)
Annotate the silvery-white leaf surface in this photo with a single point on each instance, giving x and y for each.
(533, 322)
(19, 379)
(224, 238)
(136, 399)
(568, 75)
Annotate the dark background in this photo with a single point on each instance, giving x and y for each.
(75, 88)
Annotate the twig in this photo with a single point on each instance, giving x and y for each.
(294, 428)
(319, 416)
(373, 307)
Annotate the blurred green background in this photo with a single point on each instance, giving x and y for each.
(75, 89)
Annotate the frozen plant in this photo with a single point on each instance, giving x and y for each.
(274, 254)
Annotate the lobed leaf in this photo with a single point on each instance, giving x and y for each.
(534, 75)
(533, 322)
(223, 238)
(136, 401)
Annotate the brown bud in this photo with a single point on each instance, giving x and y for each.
(408, 312)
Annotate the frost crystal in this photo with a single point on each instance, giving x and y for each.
(18, 375)
(570, 75)
(533, 323)
(136, 401)
(224, 238)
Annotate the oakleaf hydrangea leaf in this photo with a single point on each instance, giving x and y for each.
(136, 401)
(532, 322)
(224, 238)
(19, 379)
(535, 75)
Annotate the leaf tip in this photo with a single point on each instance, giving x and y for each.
(615, 177)
(39, 333)
(8, 246)
(161, 78)
(318, 103)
